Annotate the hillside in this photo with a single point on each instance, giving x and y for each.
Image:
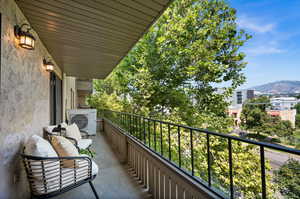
(281, 87)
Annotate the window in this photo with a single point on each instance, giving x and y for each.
(239, 97)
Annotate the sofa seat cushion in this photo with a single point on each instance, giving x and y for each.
(67, 177)
(73, 132)
(84, 143)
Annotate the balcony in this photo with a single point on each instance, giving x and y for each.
(138, 157)
(136, 163)
(167, 169)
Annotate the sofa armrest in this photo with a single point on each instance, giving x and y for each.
(74, 141)
(84, 134)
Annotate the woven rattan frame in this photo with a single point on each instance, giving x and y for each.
(40, 171)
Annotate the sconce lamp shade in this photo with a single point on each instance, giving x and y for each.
(25, 38)
(49, 66)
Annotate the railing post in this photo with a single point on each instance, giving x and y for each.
(154, 131)
(263, 172)
(179, 145)
(230, 168)
(161, 140)
(192, 151)
(149, 134)
(208, 160)
(169, 140)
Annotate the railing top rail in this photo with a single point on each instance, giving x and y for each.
(264, 144)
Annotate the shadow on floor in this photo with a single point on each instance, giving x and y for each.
(114, 180)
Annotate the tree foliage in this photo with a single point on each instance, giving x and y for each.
(297, 122)
(174, 73)
(288, 179)
(297, 107)
(255, 118)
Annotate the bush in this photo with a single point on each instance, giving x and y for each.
(288, 179)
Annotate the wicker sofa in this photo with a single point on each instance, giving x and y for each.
(50, 175)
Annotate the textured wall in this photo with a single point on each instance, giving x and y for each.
(69, 83)
(24, 100)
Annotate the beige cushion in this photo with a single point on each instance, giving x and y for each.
(73, 132)
(64, 148)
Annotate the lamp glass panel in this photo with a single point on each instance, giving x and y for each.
(22, 39)
(49, 67)
(28, 41)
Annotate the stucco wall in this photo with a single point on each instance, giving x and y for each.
(69, 86)
(24, 100)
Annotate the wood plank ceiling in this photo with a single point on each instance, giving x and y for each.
(88, 38)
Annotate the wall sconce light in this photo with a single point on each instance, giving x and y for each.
(49, 66)
(26, 39)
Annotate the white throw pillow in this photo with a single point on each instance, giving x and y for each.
(49, 128)
(73, 132)
(63, 125)
(37, 146)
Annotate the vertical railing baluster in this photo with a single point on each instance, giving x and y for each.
(129, 124)
(154, 131)
(230, 168)
(134, 125)
(208, 160)
(149, 136)
(179, 146)
(161, 140)
(140, 130)
(263, 172)
(169, 140)
(144, 124)
(192, 151)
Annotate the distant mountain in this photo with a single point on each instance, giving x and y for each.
(279, 87)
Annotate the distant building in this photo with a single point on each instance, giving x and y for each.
(235, 113)
(237, 100)
(283, 103)
(239, 97)
(289, 115)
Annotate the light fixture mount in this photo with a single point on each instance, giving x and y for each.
(25, 38)
(49, 66)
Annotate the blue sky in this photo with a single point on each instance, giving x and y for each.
(273, 53)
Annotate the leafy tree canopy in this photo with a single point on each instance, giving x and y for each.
(254, 117)
(288, 179)
(176, 67)
(173, 73)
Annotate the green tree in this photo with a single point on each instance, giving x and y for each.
(173, 74)
(254, 115)
(297, 107)
(297, 123)
(288, 179)
(255, 118)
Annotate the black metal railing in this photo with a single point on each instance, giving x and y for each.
(185, 147)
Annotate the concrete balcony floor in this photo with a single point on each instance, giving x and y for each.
(113, 180)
